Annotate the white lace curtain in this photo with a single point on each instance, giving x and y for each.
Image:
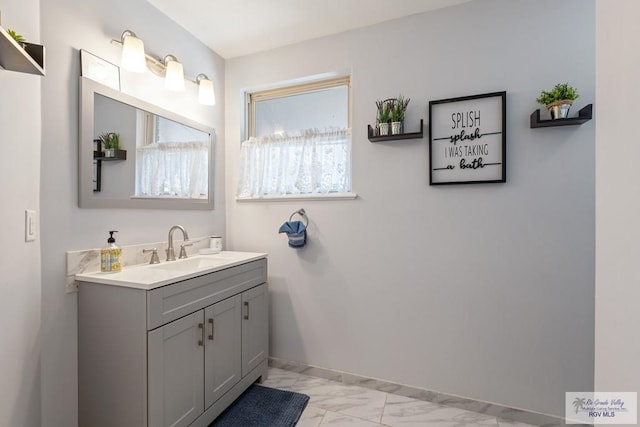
(310, 162)
(173, 170)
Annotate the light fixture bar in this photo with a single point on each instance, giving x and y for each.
(160, 67)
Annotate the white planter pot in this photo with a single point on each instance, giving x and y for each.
(384, 129)
(559, 109)
(396, 128)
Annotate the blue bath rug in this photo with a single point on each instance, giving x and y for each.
(262, 406)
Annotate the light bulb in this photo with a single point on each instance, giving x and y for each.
(174, 77)
(133, 58)
(206, 93)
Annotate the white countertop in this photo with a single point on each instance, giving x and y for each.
(149, 277)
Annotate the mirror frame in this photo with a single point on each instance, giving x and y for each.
(86, 199)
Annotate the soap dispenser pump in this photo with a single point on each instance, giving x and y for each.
(110, 256)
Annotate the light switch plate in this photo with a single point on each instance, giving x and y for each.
(29, 225)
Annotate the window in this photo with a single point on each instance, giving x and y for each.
(299, 141)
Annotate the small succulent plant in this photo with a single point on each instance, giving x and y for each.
(398, 109)
(560, 92)
(110, 140)
(17, 37)
(384, 110)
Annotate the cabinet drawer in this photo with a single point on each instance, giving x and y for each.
(173, 301)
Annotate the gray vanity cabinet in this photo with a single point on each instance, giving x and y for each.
(255, 328)
(205, 344)
(223, 348)
(175, 372)
(175, 355)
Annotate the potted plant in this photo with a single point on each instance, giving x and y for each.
(17, 37)
(397, 114)
(558, 100)
(384, 116)
(110, 143)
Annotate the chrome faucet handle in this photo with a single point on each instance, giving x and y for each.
(154, 255)
(183, 251)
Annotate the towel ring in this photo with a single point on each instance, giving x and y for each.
(303, 214)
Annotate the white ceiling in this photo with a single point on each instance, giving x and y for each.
(240, 27)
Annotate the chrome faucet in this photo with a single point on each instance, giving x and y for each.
(171, 255)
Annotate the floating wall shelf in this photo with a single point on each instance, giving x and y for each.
(118, 155)
(381, 138)
(584, 115)
(14, 57)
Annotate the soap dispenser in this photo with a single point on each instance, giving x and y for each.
(110, 256)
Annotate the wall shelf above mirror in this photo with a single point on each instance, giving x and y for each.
(381, 138)
(169, 158)
(584, 115)
(13, 57)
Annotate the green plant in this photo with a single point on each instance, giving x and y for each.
(17, 37)
(560, 92)
(398, 109)
(110, 140)
(384, 110)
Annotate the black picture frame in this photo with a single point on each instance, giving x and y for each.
(468, 139)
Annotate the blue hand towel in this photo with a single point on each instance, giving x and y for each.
(296, 232)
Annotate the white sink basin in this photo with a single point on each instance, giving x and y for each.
(152, 276)
(190, 264)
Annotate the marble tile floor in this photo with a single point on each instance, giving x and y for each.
(340, 405)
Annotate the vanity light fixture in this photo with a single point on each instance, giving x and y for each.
(135, 59)
(206, 94)
(174, 73)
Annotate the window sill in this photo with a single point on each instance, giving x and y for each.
(310, 197)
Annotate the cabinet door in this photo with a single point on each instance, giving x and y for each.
(255, 327)
(175, 372)
(222, 364)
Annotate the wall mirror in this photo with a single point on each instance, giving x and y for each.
(162, 161)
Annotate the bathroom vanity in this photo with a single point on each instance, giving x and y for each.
(171, 344)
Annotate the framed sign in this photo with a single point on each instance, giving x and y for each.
(468, 139)
(99, 70)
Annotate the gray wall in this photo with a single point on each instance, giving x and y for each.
(483, 291)
(20, 296)
(118, 177)
(617, 348)
(67, 26)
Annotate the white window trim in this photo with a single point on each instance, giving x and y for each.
(296, 89)
(303, 197)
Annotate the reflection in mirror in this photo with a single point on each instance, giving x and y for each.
(171, 160)
(163, 161)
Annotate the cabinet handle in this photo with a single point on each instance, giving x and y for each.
(246, 316)
(211, 335)
(201, 340)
